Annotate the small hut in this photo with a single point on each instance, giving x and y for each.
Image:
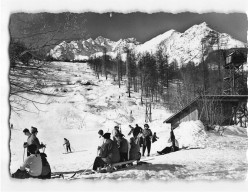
(213, 110)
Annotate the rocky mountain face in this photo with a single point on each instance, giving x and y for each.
(179, 47)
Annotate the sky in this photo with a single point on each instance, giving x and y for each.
(116, 26)
(144, 26)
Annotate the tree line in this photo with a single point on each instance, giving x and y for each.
(158, 80)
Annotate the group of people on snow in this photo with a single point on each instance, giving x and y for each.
(109, 151)
(118, 149)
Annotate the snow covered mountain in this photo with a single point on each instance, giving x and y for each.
(83, 49)
(181, 47)
(189, 46)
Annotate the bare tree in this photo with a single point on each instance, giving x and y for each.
(31, 37)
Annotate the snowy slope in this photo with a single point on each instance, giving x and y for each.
(78, 115)
(88, 104)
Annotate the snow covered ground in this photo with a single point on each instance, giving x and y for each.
(89, 104)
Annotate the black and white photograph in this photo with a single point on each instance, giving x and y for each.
(124, 92)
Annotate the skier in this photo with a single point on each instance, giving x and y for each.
(32, 139)
(123, 147)
(108, 153)
(147, 135)
(67, 144)
(32, 166)
(154, 137)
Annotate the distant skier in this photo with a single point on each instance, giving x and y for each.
(147, 135)
(154, 137)
(67, 144)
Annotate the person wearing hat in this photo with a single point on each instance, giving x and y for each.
(147, 136)
(108, 153)
(32, 139)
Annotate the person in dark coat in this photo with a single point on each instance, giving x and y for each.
(170, 149)
(173, 139)
(108, 153)
(135, 130)
(147, 135)
(174, 145)
(67, 144)
(123, 147)
(134, 152)
(32, 139)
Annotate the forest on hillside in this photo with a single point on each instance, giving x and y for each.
(161, 82)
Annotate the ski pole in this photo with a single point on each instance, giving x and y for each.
(44, 148)
(72, 149)
(23, 155)
(65, 149)
(87, 168)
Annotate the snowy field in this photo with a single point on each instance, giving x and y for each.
(88, 104)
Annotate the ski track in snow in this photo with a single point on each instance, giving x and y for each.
(85, 109)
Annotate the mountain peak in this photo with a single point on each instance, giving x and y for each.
(203, 24)
(198, 29)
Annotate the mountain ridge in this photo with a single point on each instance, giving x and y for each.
(180, 47)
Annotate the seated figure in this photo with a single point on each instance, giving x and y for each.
(35, 166)
(108, 153)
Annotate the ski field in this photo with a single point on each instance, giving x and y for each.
(86, 105)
